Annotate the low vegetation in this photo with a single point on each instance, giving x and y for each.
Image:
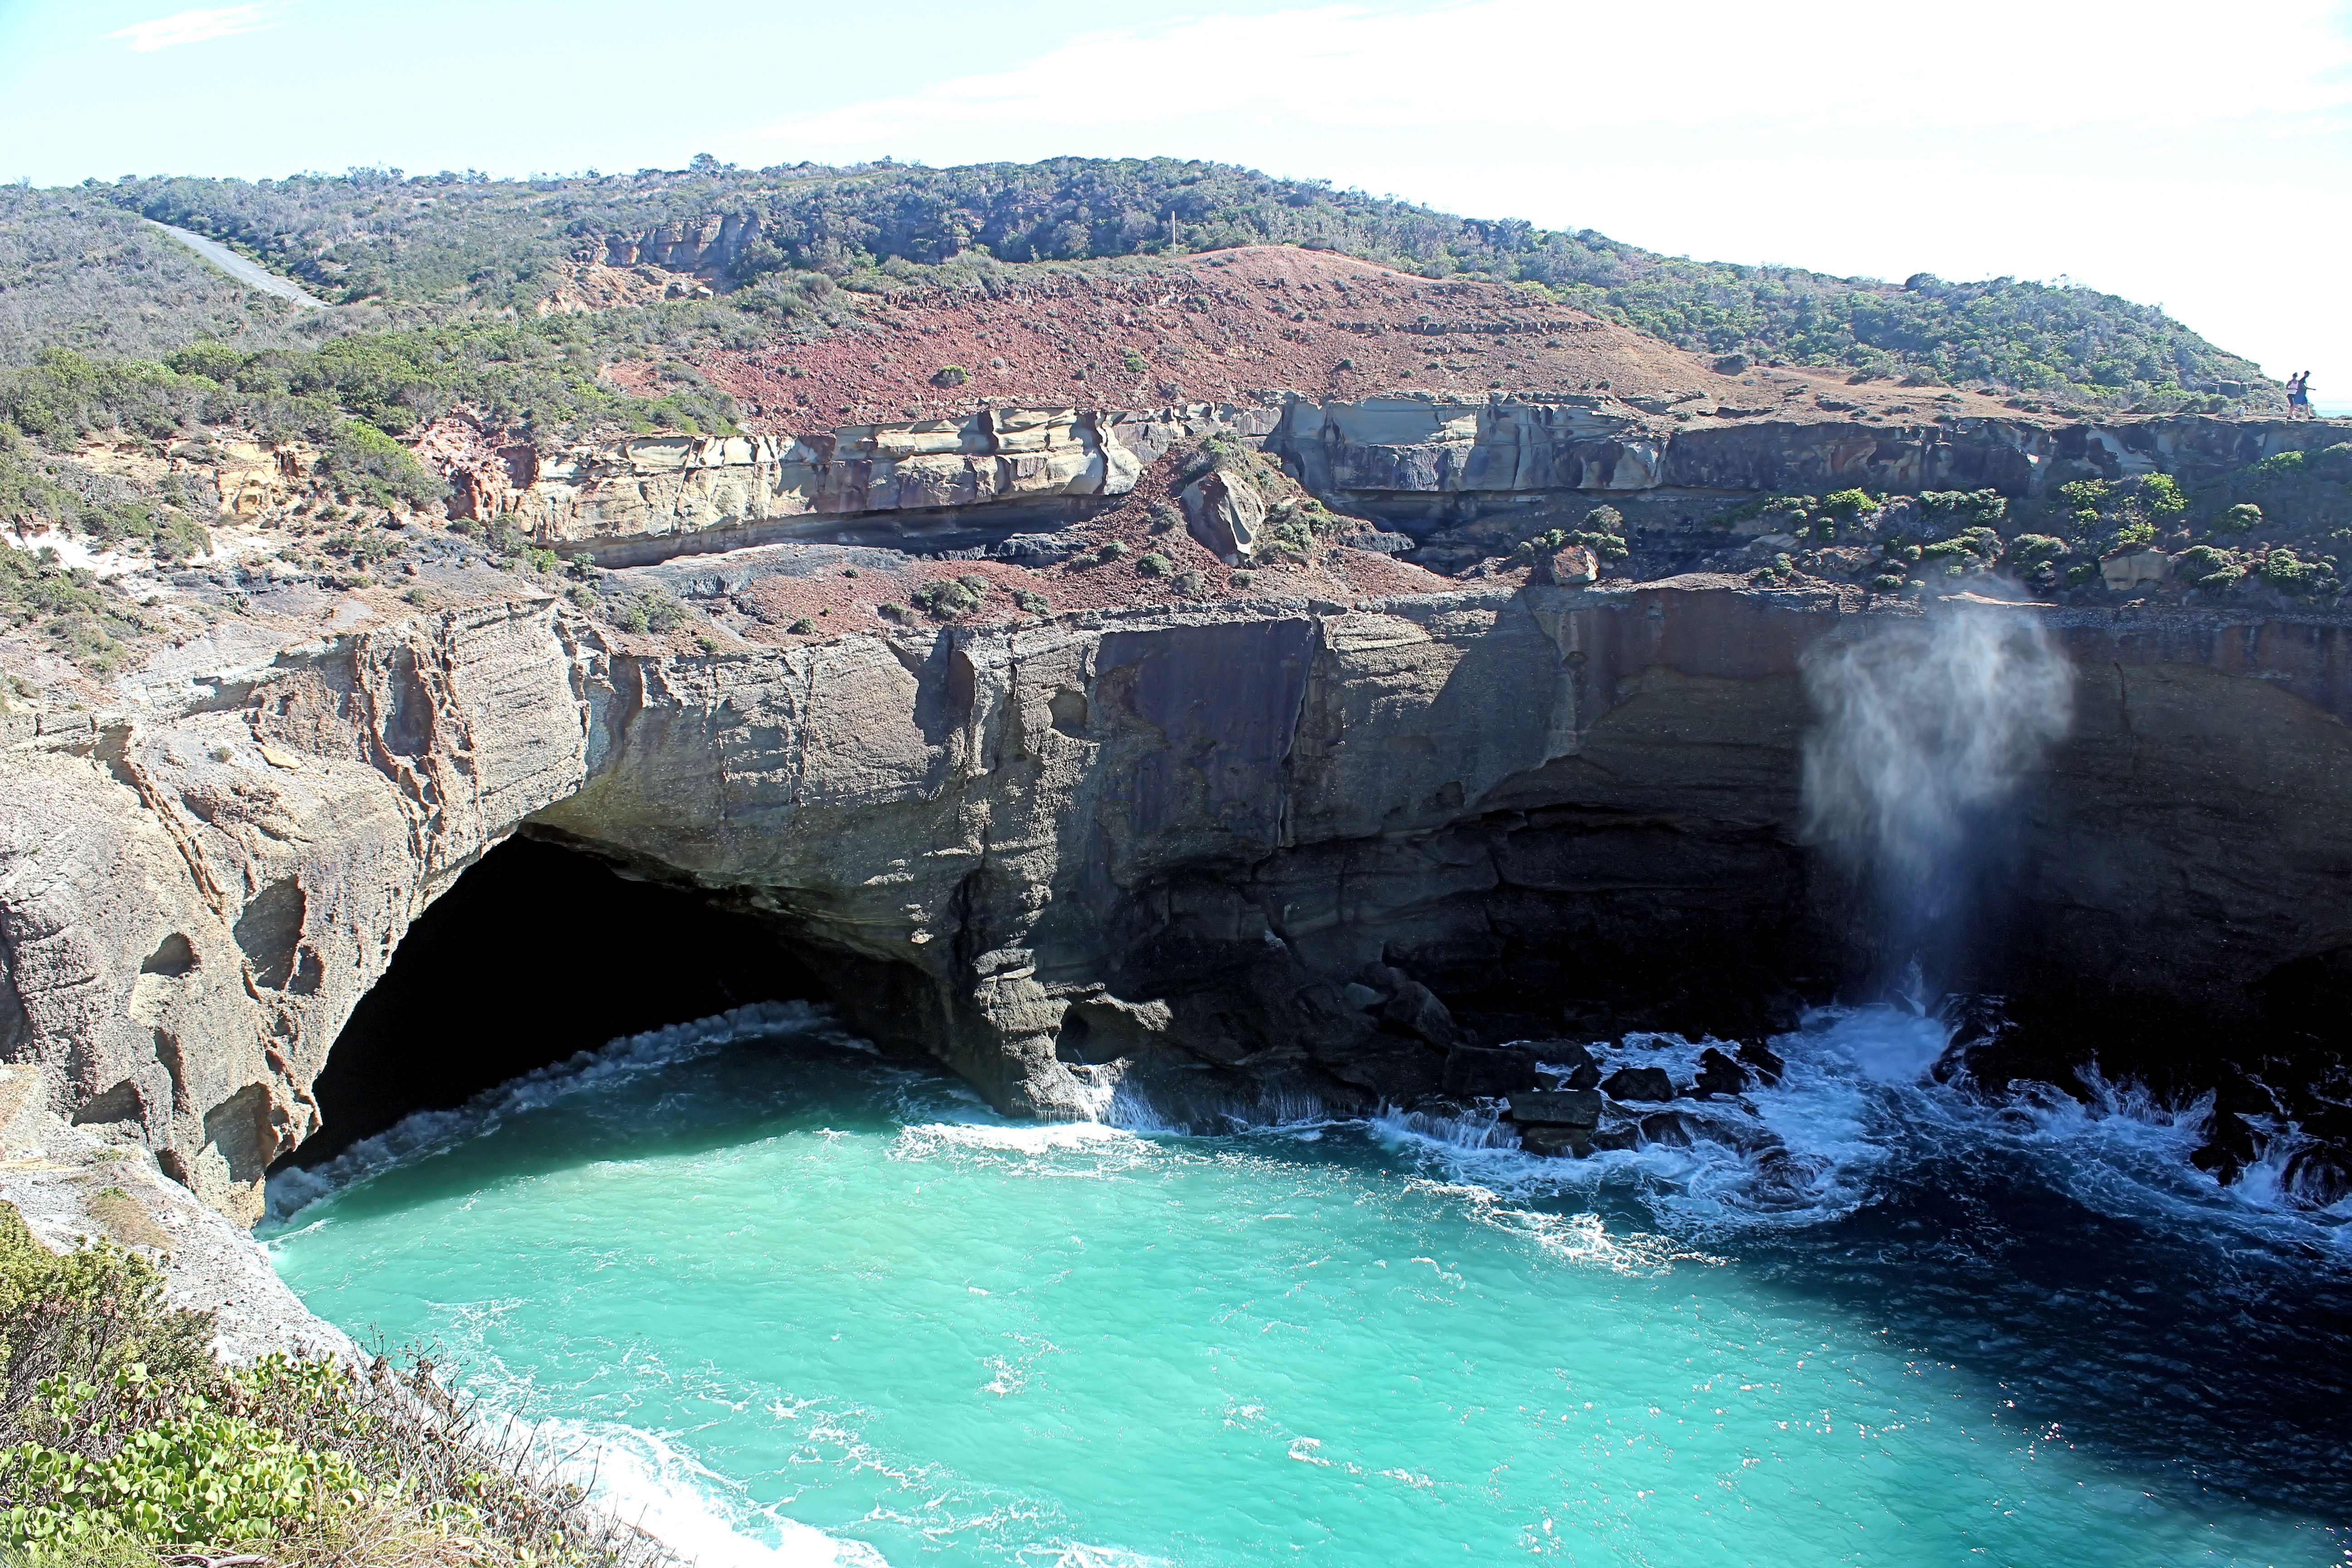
(121, 1439)
(458, 249)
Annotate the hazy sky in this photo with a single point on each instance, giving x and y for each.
(2195, 155)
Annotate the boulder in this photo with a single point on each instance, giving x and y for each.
(1668, 1127)
(1572, 566)
(1415, 1010)
(1484, 1071)
(1765, 1060)
(1554, 1140)
(1718, 1074)
(1224, 513)
(1557, 1107)
(2131, 568)
(1566, 1065)
(1617, 1135)
(1638, 1083)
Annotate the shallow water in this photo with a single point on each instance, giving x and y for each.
(807, 1304)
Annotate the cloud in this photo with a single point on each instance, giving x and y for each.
(191, 28)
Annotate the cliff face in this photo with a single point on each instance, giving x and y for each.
(1211, 855)
(977, 477)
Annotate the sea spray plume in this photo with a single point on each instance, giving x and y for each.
(1926, 729)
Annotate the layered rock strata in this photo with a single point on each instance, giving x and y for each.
(1202, 856)
(1419, 462)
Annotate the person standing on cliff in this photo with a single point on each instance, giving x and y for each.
(2298, 396)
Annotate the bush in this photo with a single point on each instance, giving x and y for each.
(2242, 518)
(2203, 566)
(1844, 505)
(654, 611)
(2162, 496)
(946, 598)
(2282, 570)
(1188, 583)
(1159, 517)
(1111, 552)
(801, 627)
(2028, 551)
(950, 375)
(1154, 565)
(1134, 363)
(1031, 601)
(364, 464)
(894, 612)
(1983, 507)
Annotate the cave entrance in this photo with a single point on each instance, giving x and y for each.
(537, 952)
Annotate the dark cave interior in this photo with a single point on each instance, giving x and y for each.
(539, 952)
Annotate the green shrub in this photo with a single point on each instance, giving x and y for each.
(2203, 566)
(2285, 571)
(950, 375)
(1983, 507)
(1159, 517)
(1844, 505)
(1154, 565)
(894, 612)
(946, 598)
(1134, 363)
(801, 627)
(2030, 550)
(364, 464)
(2130, 536)
(2162, 496)
(1970, 549)
(1031, 601)
(1110, 552)
(2242, 518)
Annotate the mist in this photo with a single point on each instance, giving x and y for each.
(1926, 732)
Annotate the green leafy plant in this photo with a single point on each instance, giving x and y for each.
(1031, 602)
(2242, 518)
(946, 598)
(1154, 565)
(2204, 566)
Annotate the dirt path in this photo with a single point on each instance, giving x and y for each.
(239, 267)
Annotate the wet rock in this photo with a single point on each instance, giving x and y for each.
(1718, 1074)
(1587, 1075)
(1638, 1083)
(1617, 1135)
(1360, 997)
(1766, 1061)
(1482, 1071)
(2230, 1147)
(1415, 1010)
(1557, 1107)
(2318, 1176)
(1671, 1128)
(1554, 1140)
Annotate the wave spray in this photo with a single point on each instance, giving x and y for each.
(1927, 728)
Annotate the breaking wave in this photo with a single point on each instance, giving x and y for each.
(426, 1132)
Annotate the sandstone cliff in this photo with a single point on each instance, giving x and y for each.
(1204, 856)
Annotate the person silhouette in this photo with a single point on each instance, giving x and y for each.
(2298, 396)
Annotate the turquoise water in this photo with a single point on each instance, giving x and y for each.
(816, 1308)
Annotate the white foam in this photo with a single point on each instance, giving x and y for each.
(428, 1132)
(643, 1480)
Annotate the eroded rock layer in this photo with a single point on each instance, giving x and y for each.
(1207, 855)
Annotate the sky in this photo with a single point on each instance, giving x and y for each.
(2191, 155)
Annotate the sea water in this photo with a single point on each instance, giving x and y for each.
(789, 1302)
